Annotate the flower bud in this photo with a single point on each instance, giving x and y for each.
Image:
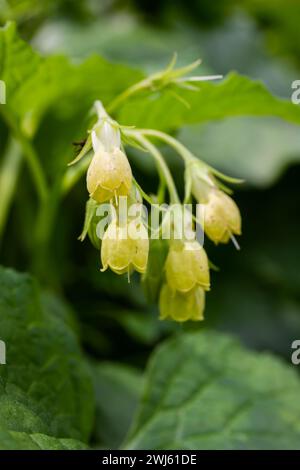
(187, 266)
(109, 175)
(106, 132)
(221, 217)
(181, 307)
(125, 247)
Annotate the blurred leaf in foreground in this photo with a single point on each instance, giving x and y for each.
(45, 387)
(204, 391)
(12, 440)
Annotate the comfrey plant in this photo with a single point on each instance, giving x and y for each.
(118, 223)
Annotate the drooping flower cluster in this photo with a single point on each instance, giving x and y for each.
(125, 244)
(179, 276)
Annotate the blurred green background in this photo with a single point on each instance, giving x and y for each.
(256, 293)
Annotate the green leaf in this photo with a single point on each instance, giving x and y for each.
(205, 391)
(235, 96)
(12, 440)
(35, 83)
(28, 75)
(45, 387)
(117, 389)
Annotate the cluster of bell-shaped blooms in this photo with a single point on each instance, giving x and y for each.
(125, 244)
(187, 276)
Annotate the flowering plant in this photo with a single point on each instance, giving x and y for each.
(125, 244)
(84, 361)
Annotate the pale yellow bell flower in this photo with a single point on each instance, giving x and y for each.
(125, 247)
(222, 217)
(109, 175)
(187, 266)
(181, 307)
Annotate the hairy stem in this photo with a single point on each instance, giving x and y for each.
(137, 87)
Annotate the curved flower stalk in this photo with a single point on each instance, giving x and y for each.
(221, 216)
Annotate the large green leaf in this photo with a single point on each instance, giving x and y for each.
(45, 387)
(50, 96)
(28, 76)
(205, 391)
(236, 95)
(12, 440)
(35, 83)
